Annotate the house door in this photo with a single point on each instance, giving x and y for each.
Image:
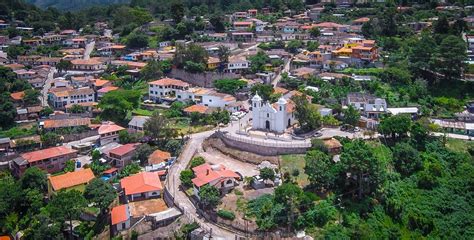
(267, 125)
(289, 122)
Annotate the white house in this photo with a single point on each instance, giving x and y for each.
(60, 98)
(237, 64)
(214, 175)
(370, 106)
(166, 88)
(205, 96)
(141, 186)
(275, 117)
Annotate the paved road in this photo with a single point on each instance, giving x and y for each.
(172, 183)
(88, 50)
(286, 68)
(47, 85)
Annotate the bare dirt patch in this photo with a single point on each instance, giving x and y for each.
(253, 158)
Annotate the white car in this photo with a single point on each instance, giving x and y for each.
(241, 114)
(234, 118)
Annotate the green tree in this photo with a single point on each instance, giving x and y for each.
(351, 116)
(441, 26)
(137, 40)
(50, 139)
(177, 10)
(196, 161)
(223, 53)
(229, 86)
(293, 46)
(218, 24)
(320, 170)
(142, 152)
(360, 169)
(312, 46)
(451, 57)
(70, 166)
(63, 65)
(185, 177)
(76, 108)
(314, 32)
(157, 127)
(267, 174)
(152, 70)
(266, 211)
(7, 111)
(395, 126)
(31, 97)
(100, 193)
(263, 90)
(67, 206)
(289, 195)
(115, 105)
(209, 196)
(34, 178)
(258, 61)
(307, 114)
(406, 159)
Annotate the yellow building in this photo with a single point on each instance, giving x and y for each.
(212, 63)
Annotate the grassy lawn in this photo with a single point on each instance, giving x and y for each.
(142, 112)
(18, 132)
(381, 151)
(458, 145)
(295, 161)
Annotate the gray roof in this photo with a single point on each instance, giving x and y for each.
(4, 140)
(138, 121)
(20, 161)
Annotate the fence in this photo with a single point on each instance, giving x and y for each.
(264, 143)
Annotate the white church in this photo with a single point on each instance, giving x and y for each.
(276, 117)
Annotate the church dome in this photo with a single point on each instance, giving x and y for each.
(282, 101)
(256, 98)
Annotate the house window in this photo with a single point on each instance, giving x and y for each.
(210, 100)
(268, 115)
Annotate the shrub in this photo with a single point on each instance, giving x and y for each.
(196, 162)
(226, 214)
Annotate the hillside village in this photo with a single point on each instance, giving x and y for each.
(324, 119)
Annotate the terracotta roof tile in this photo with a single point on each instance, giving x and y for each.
(124, 149)
(196, 108)
(47, 153)
(170, 81)
(141, 182)
(109, 127)
(158, 157)
(71, 179)
(120, 214)
(17, 96)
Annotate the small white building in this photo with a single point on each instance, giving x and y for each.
(120, 218)
(275, 117)
(370, 106)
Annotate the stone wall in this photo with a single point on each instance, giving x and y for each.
(200, 79)
(262, 149)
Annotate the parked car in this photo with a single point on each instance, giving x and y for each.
(347, 128)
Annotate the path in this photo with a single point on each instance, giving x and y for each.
(47, 85)
(89, 48)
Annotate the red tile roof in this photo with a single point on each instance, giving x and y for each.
(206, 173)
(141, 183)
(17, 96)
(47, 153)
(71, 179)
(110, 170)
(196, 108)
(170, 81)
(120, 214)
(109, 127)
(158, 156)
(107, 89)
(124, 149)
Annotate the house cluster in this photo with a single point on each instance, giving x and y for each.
(204, 99)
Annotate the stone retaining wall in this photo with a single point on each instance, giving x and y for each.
(266, 149)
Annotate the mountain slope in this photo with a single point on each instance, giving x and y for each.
(72, 5)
